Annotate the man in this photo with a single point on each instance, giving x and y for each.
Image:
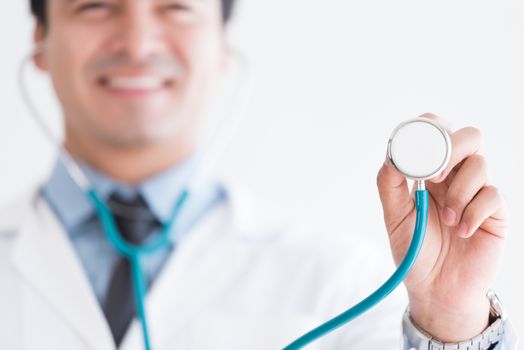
(132, 77)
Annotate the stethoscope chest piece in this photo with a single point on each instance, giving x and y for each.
(419, 149)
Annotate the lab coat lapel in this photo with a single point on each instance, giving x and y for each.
(45, 258)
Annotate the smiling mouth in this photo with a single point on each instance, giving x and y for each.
(137, 84)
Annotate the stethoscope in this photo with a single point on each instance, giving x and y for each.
(419, 149)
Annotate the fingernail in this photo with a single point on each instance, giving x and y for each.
(462, 230)
(387, 161)
(449, 216)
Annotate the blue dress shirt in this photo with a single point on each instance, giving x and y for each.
(160, 192)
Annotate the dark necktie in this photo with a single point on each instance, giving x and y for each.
(135, 223)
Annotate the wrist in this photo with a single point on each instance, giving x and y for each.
(449, 324)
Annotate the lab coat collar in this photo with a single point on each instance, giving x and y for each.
(253, 218)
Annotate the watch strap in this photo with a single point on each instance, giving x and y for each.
(422, 340)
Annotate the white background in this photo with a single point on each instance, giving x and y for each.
(333, 79)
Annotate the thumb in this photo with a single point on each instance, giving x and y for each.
(396, 199)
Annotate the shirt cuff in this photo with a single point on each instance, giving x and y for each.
(414, 338)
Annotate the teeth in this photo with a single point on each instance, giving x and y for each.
(136, 83)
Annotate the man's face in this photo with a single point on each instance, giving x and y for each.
(133, 72)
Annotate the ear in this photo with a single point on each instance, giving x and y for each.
(38, 41)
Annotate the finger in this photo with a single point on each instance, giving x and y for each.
(440, 121)
(487, 209)
(439, 191)
(467, 182)
(394, 195)
(464, 142)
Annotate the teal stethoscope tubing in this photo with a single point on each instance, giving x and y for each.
(133, 252)
(422, 207)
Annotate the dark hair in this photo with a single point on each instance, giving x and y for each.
(38, 9)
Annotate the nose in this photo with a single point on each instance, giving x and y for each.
(139, 33)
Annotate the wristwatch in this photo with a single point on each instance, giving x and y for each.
(486, 340)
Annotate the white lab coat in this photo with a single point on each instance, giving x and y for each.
(242, 279)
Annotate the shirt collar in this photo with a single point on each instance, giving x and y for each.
(161, 191)
(73, 207)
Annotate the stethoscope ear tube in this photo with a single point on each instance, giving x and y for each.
(422, 207)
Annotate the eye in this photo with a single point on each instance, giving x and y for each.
(94, 6)
(177, 6)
